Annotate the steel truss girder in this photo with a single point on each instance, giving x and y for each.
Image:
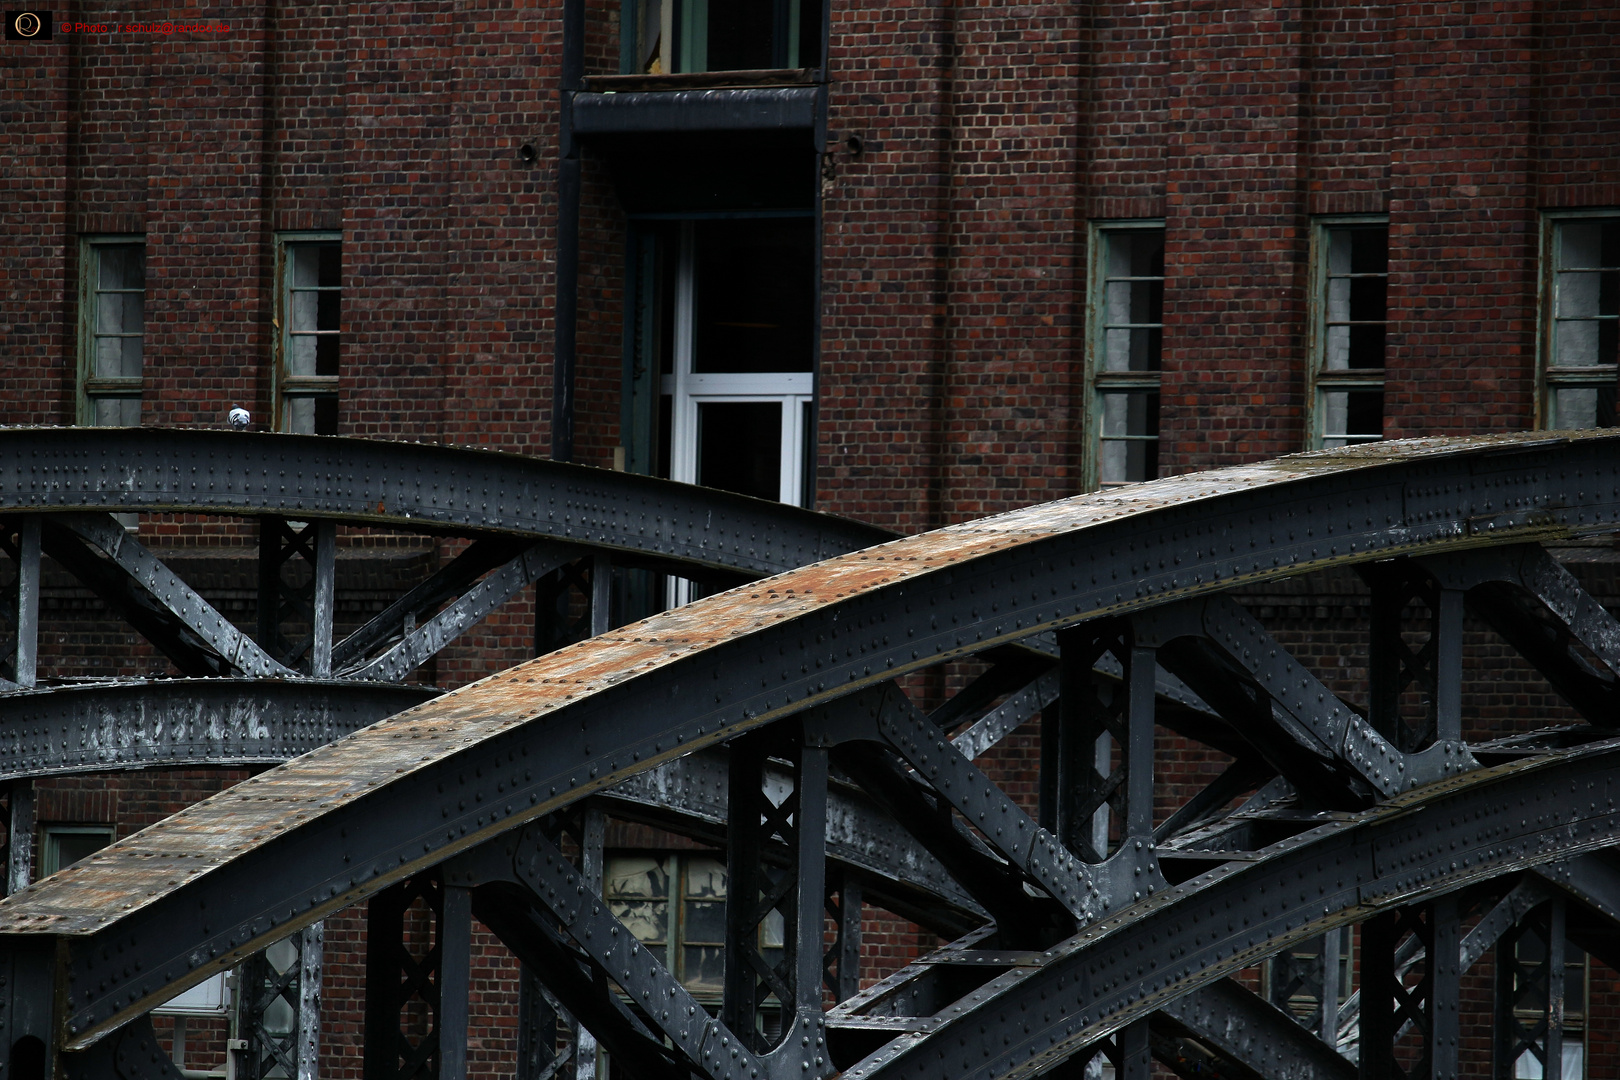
(410, 792)
(418, 646)
(1419, 847)
(1245, 1028)
(237, 652)
(411, 486)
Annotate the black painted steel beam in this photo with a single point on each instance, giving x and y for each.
(442, 778)
(410, 486)
(178, 723)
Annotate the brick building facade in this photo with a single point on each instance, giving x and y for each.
(910, 264)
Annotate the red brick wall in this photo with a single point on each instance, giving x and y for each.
(1462, 221)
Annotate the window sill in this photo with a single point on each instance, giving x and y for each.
(705, 80)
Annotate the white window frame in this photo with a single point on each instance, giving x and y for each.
(793, 390)
(1098, 380)
(1549, 378)
(91, 386)
(284, 385)
(1320, 381)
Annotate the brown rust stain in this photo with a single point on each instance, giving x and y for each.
(132, 872)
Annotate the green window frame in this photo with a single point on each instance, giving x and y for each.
(308, 321)
(1124, 351)
(112, 330)
(1579, 342)
(62, 845)
(1349, 316)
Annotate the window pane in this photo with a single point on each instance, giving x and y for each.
(1129, 450)
(309, 414)
(705, 968)
(740, 35)
(303, 312)
(1369, 252)
(740, 447)
(705, 878)
(326, 354)
(117, 412)
(306, 264)
(327, 311)
(1366, 345)
(301, 354)
(110, 313)
(1352, 416)
(1578, 344)
(63, 847)
(704, 922)
(1583, 407)
(754, 302)
(109, 353)
(279, 1018)
(1588, 245)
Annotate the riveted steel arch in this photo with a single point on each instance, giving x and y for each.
(810, 657)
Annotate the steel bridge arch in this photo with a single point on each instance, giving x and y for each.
(509, 750)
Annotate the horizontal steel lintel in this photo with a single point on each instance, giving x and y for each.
(777, 108)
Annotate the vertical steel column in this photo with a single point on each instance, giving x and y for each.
(455, 974)
(566, 313)
(1141, 669)
(311, 959)
(845, 983)
(810, 836)
(321, 618)
(1078, 782)
(394, 977)
(593, 835)
(1378, 1024)
(601, 594)
(1332, 946)
(1448, 631)
(746, 806)
(24, 663)
(20, 852)
(1445, 988)
(1135, 1053)
(272, 536)
(537, 1027)
(1556, 956)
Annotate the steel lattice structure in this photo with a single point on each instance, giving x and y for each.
(1105, 614)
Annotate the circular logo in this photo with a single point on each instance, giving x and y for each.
(26, 23)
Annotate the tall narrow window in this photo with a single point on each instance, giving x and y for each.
(1581, 323)
(1351, 264)
(112, 331)
(309, 317)
(742, 339)
(1126, 341)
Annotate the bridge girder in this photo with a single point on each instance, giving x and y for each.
(807, 655)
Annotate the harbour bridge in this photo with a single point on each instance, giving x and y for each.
(779, 716)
